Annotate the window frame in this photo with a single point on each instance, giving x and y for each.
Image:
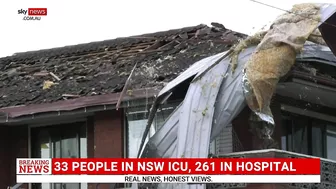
(58, 130)
(312, 117)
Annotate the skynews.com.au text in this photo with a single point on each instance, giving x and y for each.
(33, 13)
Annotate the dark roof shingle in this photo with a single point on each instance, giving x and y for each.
(103, 67)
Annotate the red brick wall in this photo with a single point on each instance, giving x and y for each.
(108, 137)
(105, 137)
(19, 146)
(13, 144)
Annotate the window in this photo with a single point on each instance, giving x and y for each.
(61, 141)
(223, 143)
(330, 142)
(136, 123)
(309, 136)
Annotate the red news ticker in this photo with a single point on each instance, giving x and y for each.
(215, 166)
(37, 11)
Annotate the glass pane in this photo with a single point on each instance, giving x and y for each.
(137, 121)
(83, 149)
(83, 142)
(286, 134)
(57, 149)
(57, 186)
(163, 114)
(45, 153)
(43, 146)
(283, 143)
(212, 149)
(135, 132)
(42, 149)
(331, 142)
(317, 140)
(300, 136)
(69, 146)
(69, 149)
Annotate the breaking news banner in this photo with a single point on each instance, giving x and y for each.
(195, 170)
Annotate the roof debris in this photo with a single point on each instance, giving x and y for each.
(70, 96)
(275, 55)
(47, 84)
(127, 83)
(55, 76)
(106, 65)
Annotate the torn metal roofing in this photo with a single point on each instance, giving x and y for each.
(311, 52)
(185, 133)
(208, 107)
(101, 68)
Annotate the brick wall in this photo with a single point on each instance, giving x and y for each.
(19, 147)
(105, 137)
(13, 144)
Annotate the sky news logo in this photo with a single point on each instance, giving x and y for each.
(33, 13)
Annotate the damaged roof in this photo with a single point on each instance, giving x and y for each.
(102, 67)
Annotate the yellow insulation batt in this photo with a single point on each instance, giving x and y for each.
(275, 55)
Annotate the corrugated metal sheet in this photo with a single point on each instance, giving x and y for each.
(197, 111)
(231, 99)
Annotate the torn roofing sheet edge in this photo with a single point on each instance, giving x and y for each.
(327, 10)
(198, 67)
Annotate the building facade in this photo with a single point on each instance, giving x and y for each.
(62, 103)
